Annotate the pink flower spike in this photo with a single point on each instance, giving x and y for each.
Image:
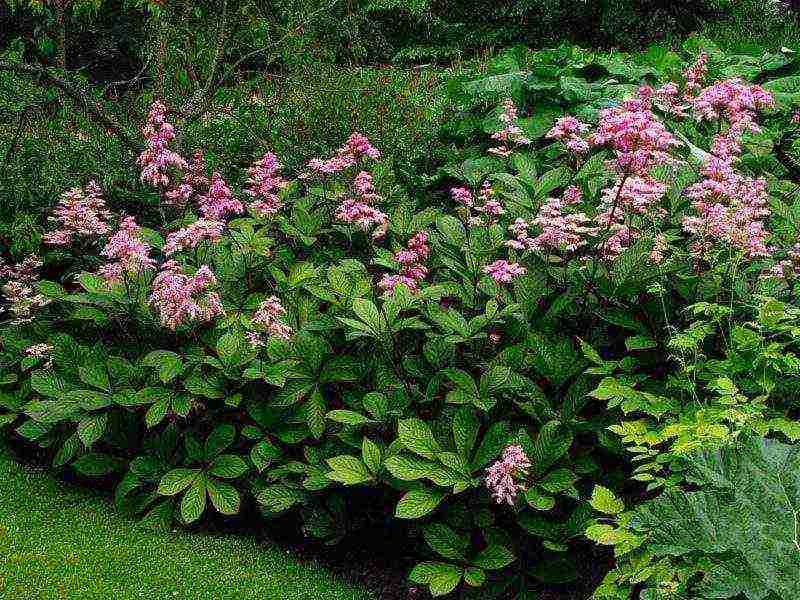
(500, 476)
(504, 272)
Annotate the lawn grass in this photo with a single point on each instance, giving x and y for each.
(61, 542)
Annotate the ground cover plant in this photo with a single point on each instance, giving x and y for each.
(592, 295)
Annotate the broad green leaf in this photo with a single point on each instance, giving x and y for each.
(605, 501)
(417, 437)
(193, 503)
(176, 481)
(224, 497)
(418, 503)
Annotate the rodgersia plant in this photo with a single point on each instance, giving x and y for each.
(275, 340)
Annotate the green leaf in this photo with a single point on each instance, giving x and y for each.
(475, 577)
(96, 375)
(348, 417)
(91, 429)
(193, 503)
(452, 230)
(228, 466)
(371, 455)
(494, 557)
(263, 454)
(441, 578)
(348, 470)
(168, 364)
(559, 480)
(224, 497)
(417, 437)
(605, 501)
(537, 500)
(553, 442)
(444, 541)
(418, 503)
(369, 314)
(410, 468)
(219, 439)
(48, 384)
(465, 430)
(494, 441)
(95, 464)
(176, 481)
(278, 498)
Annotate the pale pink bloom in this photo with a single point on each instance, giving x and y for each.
(411, 258)
(572, 195)
(503, 271)
(158, 160)
(696, 74)
(733, 100)
(560, 230)
(80, 213)
(463, 196)
(20, 292)
(219, 202)
(265, 184)
(796, 117)
(501, 476)
(639, 140)
(180, 299)
(356, 148)
(730, 208)
(130, 253)
(41, 351)
(511, 134)
(570, 131)
(659, 247)
(191, 236)
(268, 316)
(194, 183)
(359, 211)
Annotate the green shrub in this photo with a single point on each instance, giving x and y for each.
(561, 317)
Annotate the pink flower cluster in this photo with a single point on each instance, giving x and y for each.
(482, 210)
(357, 210)
(503, 271)
(560, 230)
(268, 317)
(732, 100)
(731, 208)
(696, 74)
(411, 259)
(41, 351)
(789, 268)
(158, 159)
(639, 139)
(264, 185)
(570, 131)
(501, 477)
(194, 183)
(131, 255)
(80, 213)
(191, 236)
(20, 291)
(219, 202)
(180, 299)
(511, 134)
(356, 147)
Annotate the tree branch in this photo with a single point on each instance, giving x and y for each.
(79, 95)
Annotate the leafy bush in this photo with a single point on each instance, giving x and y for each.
(601, 280)
(735, 537)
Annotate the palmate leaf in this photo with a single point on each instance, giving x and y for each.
(744, 520)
